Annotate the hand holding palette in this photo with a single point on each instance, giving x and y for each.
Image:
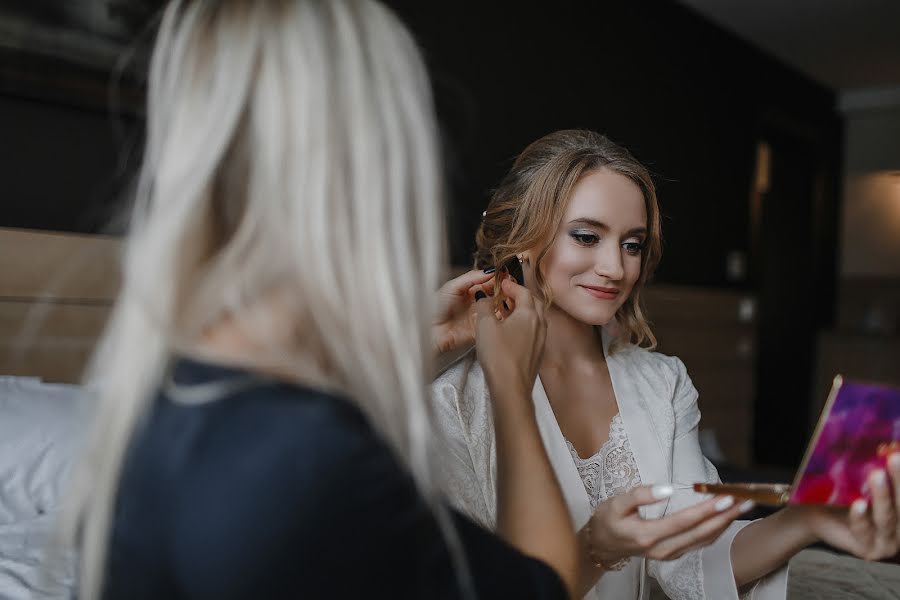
(858, 430)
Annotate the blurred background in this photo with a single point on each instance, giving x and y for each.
(772, 129)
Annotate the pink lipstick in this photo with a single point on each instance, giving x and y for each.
(601, 293)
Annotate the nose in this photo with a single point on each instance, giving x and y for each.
(608, 262)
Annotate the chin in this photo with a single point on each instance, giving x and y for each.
(594, 316)
(598, 321)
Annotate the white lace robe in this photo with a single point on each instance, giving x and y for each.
(658, 409)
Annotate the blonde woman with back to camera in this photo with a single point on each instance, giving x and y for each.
(262, 428)
(619, 421)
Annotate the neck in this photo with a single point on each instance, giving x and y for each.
(570, 342)
(231, 341)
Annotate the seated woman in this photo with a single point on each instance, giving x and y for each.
(263, 429)
(580, 215)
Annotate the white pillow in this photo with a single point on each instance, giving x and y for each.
(41, 429)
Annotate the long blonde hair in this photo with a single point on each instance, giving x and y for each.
(291, 150)
(527, 207)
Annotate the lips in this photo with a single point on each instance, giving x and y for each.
(601, 293)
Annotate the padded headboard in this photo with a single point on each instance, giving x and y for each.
(56, 291)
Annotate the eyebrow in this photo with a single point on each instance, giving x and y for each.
(604, 226)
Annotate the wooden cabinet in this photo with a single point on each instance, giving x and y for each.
(713, 332)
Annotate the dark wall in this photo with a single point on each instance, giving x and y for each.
(60, 166)
(69, 142)
(70, 105)
(690, 101)
(686, 98)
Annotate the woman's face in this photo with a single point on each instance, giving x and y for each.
(595, 258)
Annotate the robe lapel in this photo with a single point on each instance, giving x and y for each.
(560, 457)
(654, 459)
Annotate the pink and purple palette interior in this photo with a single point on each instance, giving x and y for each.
(858, 431)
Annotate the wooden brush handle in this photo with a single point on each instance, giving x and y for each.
(769, 494)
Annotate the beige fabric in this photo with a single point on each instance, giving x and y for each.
(820, 575)
(658, 406)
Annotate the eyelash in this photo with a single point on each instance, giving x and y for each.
(633, 248)
(589, 239)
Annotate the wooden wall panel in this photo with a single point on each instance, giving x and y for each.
(671, 303)
(713, 332)
(58, 266)
(707, 343)
(20, 320)
(869, 305)
(56, 291)
(47, 340)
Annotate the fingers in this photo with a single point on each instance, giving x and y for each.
(873, 523)
(509, 346)
(674, 534)
(465, 282)
(629, 502)
(487, 287)
(506, 307)
(861, 527)
(486, 309)
(688, 518)
(512, 294)
(699, 536)
(482, 309)
(517, 295)
(894, 470)
(884, 514)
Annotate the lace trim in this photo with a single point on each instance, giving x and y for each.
(610, 472)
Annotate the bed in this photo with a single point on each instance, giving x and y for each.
(56, 291)
(39, 434)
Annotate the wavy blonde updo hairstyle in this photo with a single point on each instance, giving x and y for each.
(525, 212)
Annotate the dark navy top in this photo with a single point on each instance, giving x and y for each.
(280, 491)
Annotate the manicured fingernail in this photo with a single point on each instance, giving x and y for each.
(879, 478)
(724, 503)
(489, 270)
(479, 295)
(747, 506)
(894, 461)
(662, 491)
(860, 506)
